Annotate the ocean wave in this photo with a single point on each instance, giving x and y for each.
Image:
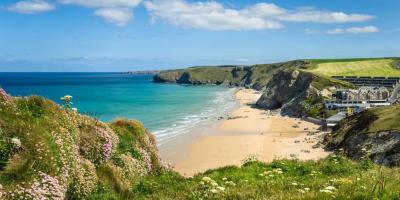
(219, 105)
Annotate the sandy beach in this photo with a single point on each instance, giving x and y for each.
(248, 132)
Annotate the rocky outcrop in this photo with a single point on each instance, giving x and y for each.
(357, 142)
(286, 91)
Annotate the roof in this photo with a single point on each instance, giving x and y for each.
(337, 117)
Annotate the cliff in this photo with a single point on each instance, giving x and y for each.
(255, 76)
(372, 134)
(298, 93)
(51, 152)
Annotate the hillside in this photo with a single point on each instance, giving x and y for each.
(51, 152)
(256, 76)
(374, 133)
(376, 67)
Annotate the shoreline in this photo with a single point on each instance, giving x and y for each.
(245, 132)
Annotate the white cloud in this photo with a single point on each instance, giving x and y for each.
(208, 15)
(316, 16)
(118, 12)
(103, 3)
(31, 7)
(351, 30)
(118, 16)
(215, 16)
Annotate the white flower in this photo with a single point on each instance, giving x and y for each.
(307, 189)
(294, 183)
(301, 191)
(16, 142)
(206, 179)
(214, 191)
(326, 191)
(221, 188)
(330, 188)
(75, 109)
(214, 184)
(224, 179)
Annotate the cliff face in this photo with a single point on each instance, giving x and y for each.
(298, 93)
(51, 152)
(373, 134)
(256, 76)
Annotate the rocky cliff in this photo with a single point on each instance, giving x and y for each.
(298, 93)
(48, 151)
(372, 134)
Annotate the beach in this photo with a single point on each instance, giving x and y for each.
(246, 132)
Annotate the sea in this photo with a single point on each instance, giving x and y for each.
(167, 110)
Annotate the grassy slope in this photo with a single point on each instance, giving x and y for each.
(256, 180)
(355, 67)
(70, 148)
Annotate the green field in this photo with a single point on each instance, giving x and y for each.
(371, 67)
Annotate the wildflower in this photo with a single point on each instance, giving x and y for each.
(358, 179)
(214, 191)
(224, 179)
(66, 98)
(261, 175)
(330, 188)
(206, 179)
(301, 191)
(201, 183)
(307, 189)
(16, 142)
(214, 184)
(326, 191)
(75, 109)
(231, 183)
(294, 183)
(221, 188)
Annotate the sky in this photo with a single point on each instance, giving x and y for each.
(123, 35)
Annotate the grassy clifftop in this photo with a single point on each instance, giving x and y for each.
(256, 76)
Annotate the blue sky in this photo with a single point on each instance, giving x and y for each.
(121, 35)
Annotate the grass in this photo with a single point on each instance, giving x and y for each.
(360, 67)
(388, 118)
(319, 61)
(281, 179)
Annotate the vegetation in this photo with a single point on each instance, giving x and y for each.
(320, 61)
(332, 178)
(356, 67)
(48, 151)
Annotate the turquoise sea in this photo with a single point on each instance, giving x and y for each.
(167, 110)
